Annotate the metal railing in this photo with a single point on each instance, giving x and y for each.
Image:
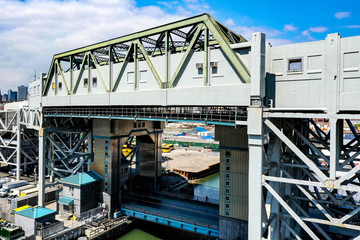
(204, 114)
(172, 216)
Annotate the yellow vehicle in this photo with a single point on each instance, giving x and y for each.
(28, 191)
(127, 149)
(167, 147)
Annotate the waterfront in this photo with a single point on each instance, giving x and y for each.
(208, 186)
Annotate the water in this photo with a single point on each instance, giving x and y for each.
(150, 231)
(208, 186)
(138, 234)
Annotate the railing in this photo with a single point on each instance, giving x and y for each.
(179, 218)
(93, 215)
(204, 114)
(191, 197)
(45, 231)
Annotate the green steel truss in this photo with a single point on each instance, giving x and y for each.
(198, 33)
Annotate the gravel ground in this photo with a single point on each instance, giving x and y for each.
(191, 160)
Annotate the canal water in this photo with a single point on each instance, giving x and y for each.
(208, 186)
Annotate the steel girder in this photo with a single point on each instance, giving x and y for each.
(188, 35)
(311, 180)
(67, 150)
(18, 138)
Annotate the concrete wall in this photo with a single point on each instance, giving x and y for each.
(27, 224)
(189, 90)
(234, 156)
(328, 79)
(109, 137)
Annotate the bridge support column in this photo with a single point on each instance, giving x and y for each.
(233, 206)
(42, 164)
(109, 162)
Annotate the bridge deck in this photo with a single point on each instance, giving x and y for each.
(202, 218)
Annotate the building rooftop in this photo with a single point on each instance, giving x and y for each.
(66, 201)
(36, 213)
(81, 179)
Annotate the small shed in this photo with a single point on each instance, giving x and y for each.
(80, 193)
(30, 217)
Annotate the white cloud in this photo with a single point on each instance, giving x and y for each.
(290, 27)
(230, 22)
(305, 33)
(32, 31)
(341, 15)
(246, 31)
(353, 26)
(279, 41)
(318, 29)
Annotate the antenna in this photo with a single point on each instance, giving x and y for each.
(34, 74)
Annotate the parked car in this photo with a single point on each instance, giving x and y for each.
(13, 172)
(185, 145)
(208, 147)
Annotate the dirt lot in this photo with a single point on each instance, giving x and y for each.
(191, 160)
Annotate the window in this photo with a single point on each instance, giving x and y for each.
(227, 175)
(200, 68)
(214, 70)
(227, 168)
(227, 205)
(295, 65)
(94, 81)
(227, 213)
(143, 74)
(227, 190)
(227, 183)
(227, 160)
(60, 86)
(86, 82)
(227, 198)
(227, 154)
(130, 77)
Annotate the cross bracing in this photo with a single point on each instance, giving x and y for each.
(199, 33)
(311, 179)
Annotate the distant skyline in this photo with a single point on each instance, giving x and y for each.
(32, 31)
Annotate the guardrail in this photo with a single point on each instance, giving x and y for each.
(173, 220)
(180, 218)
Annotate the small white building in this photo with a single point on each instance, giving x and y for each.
(30, 217)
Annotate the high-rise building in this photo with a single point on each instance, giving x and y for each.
(22, 92)
(12, 95)
(0, 97)
(5, 97)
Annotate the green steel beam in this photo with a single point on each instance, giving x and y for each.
(224, 44)
(216, 28)
(131, 37)
(151, 65)
(62, 76)
(49, 76)
(99, 72)
(79, 75)
(206, 57)
(122, 68)
(186, 55)
(136, 63)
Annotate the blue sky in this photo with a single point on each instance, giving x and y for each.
(306, 21)
(32, 31)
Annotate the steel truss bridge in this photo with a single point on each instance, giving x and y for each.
(303, 181)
